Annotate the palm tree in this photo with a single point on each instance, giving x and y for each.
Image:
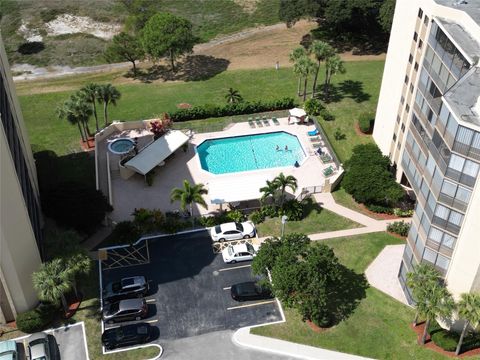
(90, 91)
(303, 67)
(333, 65)
(468, 310)
(233, 96)
(77, 112)
(418, 282)
(269, 190)
(321, 51)
(296, 54)
(283, 182)
(438, 302)
(189, 195)
(78, 264)
(107, 94)
(52, 281)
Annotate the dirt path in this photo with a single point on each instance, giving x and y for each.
(254, 48)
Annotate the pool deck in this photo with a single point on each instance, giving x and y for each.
(134, 193)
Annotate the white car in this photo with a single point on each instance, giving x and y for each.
(233, 231)
(236, 253)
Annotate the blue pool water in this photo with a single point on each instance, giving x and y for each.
(251, 152)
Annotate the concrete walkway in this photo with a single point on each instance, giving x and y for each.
(382, 273)
(242, 337)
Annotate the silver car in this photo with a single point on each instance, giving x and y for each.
(39, 347)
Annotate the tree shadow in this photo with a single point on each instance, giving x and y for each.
(193, 68)
(351, 89)
(346, 294)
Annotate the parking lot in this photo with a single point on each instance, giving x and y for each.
(190, 288)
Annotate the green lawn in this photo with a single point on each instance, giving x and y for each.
(143, 101)
(343, 198)
(379, 327)
(317, 220)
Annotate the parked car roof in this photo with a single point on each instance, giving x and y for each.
(132, 281)
(37, 343)
(7, 349)
(131, 304)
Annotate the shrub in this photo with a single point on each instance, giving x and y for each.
(207, 221)
(447, 340)
(339, 135)
(399, 227)
(235, 215)
(37, 319)
(76, 205)
(365, 122)
(29, 48)
(326, 115)
(257, 217)
(244, 107)
(313, 107)
(403, 213)
(380, 209)
(269, 211)
(125, 232)
(293, 209)
(149, 177)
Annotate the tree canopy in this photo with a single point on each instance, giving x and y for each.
(167, 35)
(125, 47)
(368, 177)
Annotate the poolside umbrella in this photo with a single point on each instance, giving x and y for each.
(297, 112)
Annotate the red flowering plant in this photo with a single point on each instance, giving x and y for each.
(160, 127)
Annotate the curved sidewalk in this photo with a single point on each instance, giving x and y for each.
(242, 337)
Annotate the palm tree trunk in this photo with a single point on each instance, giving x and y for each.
(315, 80)
(425, 332)
(282, 198)
(64, 303)
(415, 321)
(89, 133)
(460, 341)
(325, 85)
(105, 115)
(191, 215)
(305, 88)
(84, 131)
(299, 85)
(95, 113)
(81, 131)
(172, 60)
(74, 283)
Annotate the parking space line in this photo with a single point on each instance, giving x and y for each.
(250, 305)
(150, 300)
(234, 268)
(227, 288)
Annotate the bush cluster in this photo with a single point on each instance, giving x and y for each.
(380, 209)
(313, 107)
(239, 108)
(365, 122)
(37, 319)
(222, 217)
(369, 179)
(399, 227)
(447, 340)
(326, 115)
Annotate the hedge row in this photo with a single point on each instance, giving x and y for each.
(244, 107)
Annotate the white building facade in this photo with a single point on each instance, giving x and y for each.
(428, 123)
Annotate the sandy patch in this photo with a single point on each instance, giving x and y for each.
(29, 34)
(71, 24)
(249, 6)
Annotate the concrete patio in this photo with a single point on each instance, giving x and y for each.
(126, 195)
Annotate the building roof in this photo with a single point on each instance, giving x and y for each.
(155, 153)
(471, 7)
(462, 37)
(234, 189)
(463, 97)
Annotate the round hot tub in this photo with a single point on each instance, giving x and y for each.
(121, 146)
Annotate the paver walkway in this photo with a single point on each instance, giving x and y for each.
(382, 273)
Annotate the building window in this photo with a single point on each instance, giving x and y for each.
(425, 20)
(415, 36)
(411, 88)
(399, 145)
(420, 44)
(420, 13)
(406, 79)
(394, 137)
(398, 119)
(407, 108)
(403, 127)
(410, 58)
(402, 99)
(416, 66)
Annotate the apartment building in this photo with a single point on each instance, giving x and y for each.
(428, 123)
(20, 217)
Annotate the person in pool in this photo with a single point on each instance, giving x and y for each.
(278, 148)
(286, 147)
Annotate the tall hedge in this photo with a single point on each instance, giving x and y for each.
(368, 177)
(244, 107)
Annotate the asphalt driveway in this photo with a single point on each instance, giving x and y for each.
(190, 288)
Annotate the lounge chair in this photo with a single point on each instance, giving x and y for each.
(313, 132)
(328, 171)
(315, 139)
(325, 158)
(275, 121)
(266, 122)
(317, 145)
(251, 123)
(258, 121)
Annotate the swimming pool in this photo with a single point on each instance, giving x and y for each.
(250, 152)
